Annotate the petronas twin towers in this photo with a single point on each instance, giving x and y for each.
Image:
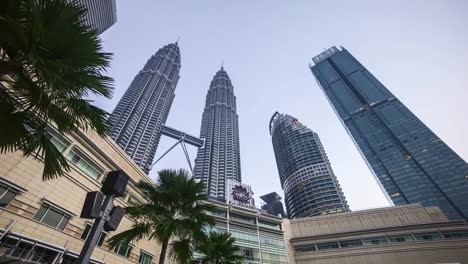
(219, 160)
(138, 118)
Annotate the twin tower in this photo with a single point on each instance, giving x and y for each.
(137, 121)
(409, 161)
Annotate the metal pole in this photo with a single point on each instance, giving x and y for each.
(173, 146)
(93, 236)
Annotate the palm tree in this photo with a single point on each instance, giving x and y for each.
(50, 61)
(173, 215)
(218, 248)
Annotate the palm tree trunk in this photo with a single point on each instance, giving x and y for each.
(162, 256)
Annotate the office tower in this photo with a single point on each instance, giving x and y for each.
(409, 160)
(309, 184)
(137, 119)
(273, 204)
(101, 14)
(219, 159)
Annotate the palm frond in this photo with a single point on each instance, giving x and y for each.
(137, 232)
(181, 251)
(56, 60)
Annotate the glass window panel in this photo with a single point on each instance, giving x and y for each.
(400, 238)
(63, 223)
(305, 248)
(40, 213)
(351, 243)
(52, 217)
(375, 241)
(428, 236)
(6, 197)
(455, 234)
(145, 258)
(325, 246)
(86, 231)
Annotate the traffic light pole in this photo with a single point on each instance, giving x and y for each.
(96, 230)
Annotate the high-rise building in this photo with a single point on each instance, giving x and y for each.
(137, 119)
(309, 184)
(411, 162)
(219, 159)
(273, 204)
(101, 14)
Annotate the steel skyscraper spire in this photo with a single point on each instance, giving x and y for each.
(137, 119)
(219, 159)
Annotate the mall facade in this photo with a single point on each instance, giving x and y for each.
(40, 223)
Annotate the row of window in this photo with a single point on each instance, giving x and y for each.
(382, 240)
(28, 250)
(56, 217)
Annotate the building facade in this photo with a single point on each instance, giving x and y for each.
(392, 235)
(39, 220)
(40, 223)
(273, 204)
(259, 236)
(411, 162)
(137, 119)
(309, 184)
(100, 15)
(219, 159)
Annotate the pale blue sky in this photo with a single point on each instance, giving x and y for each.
(418, 49)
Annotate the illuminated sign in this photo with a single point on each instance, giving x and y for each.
(239, 194)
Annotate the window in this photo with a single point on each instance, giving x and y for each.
(28, 251)
(132, 200)
(325, 246)
(400, 238)
(52, 216)
(57, 142)
(86, 231)
(351, 243)
(375, 241)
(305, 248)
(124, 250)
(84, 164)
(145, 258)
(7, 193)
(455, 234)
(428, 236)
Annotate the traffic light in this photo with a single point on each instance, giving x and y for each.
(92, 205)
(115, 183)
(115, 217)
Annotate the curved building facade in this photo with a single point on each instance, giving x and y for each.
(306, 176)
(137, 119)
(219, 159)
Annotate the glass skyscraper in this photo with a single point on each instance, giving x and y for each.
(101, 14)
(309, 184)
(137, 119)
(219, 159)
(412, 164)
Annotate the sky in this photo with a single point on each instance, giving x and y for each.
(418, 49)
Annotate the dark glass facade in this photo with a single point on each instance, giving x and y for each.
(137, 119)
(309, 184)
(273, 204)
(219, 159)
(412, 164)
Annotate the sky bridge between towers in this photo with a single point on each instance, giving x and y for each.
(182, 138)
